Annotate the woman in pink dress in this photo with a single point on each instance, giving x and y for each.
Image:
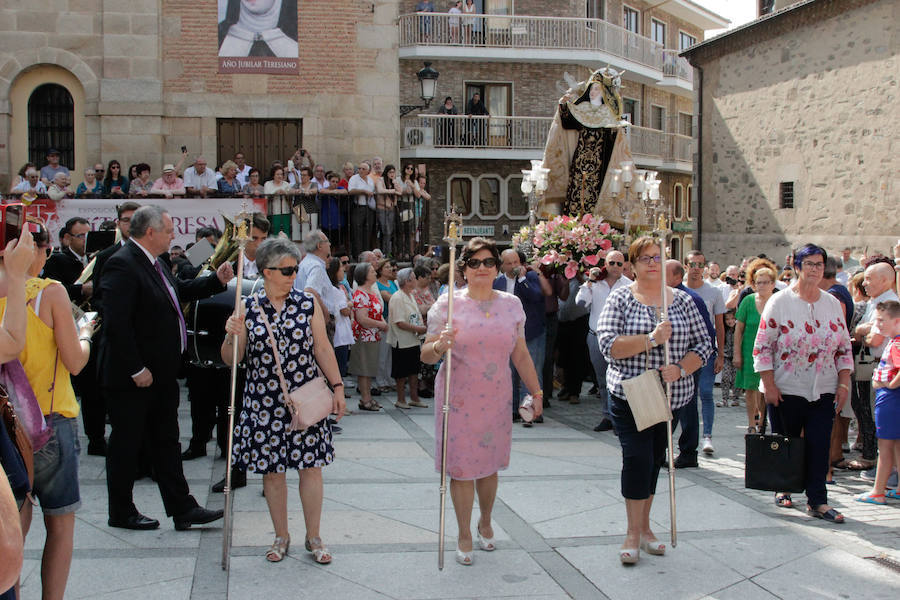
(488, 333)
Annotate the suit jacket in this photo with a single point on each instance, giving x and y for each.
(65, 268)
(532, 297)
(140, 323)
(101, 258)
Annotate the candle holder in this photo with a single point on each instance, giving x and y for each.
(534, 184)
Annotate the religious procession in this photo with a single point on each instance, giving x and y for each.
(478, 360)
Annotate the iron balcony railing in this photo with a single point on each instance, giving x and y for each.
(522, 32)
(426, 132)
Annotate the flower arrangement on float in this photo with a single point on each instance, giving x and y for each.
(569, 245)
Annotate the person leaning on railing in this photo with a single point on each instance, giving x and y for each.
(253, 188)
(229, 186)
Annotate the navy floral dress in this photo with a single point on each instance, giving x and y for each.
(262, 442)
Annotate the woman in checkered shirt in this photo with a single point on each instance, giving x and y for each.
(629, 330)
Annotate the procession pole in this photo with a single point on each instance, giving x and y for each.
(241, 236)
(452, 226)
(662, 230)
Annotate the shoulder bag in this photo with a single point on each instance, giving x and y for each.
(17, 434)
(308, 404)
(647, 398)
(774, 462)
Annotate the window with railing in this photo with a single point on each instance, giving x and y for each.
(685, 40)
(786, 194)
(631, 19)
(658, 31)
(686, 124)
(594, 9)
(632, 108)
(657, 117)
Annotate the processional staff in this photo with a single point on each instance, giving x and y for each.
(241, 237)
(452, 230)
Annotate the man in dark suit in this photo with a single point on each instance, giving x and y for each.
(145, 336)
(124, 212)
(66, 265)
(530, 286)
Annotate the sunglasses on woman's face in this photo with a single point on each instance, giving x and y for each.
(490, 262)
(646, 260)
(286, 271)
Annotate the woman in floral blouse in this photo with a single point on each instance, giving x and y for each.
(803, 357)
(368, 326)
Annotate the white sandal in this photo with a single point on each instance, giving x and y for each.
(319, 551)
(279, 549)
(486, 544)
(464, 558)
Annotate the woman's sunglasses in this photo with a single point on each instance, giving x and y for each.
(490, 262)
(286, 271)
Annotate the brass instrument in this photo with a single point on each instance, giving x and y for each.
(240, 233)
(452, 230)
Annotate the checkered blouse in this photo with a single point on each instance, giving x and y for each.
(625, 315)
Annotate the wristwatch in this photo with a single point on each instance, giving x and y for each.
(683, 372)
(652, 342)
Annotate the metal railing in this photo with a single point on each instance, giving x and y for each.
(463, 131)
(516, 31)
(523, 133)
(677, 66)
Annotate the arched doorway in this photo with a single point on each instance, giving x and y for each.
(51, 124)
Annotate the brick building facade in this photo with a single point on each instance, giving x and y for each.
(798, 132)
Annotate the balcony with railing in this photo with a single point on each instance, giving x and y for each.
(515, 38)
(523, 138)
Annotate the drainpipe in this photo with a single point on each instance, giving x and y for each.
(698, 169)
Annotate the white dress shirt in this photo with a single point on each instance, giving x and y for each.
(593, 294)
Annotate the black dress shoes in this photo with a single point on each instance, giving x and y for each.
(604, 425)
(193, 452)
(197, 516)
(238, 480)
(685, 461)
(135, 521)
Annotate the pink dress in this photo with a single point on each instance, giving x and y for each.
(480, 419)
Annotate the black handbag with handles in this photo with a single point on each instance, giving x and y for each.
(775, 462)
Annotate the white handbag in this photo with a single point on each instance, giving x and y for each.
(647, 398)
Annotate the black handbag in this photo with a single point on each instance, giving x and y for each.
(774, 462)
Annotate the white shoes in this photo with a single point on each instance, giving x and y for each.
(707, 445)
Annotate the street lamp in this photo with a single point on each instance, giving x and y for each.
(626, 179)
(428, 81)
(534, 184)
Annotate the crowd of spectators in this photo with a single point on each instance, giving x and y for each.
(364, 205)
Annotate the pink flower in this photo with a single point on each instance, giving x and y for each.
(587, 219)
(591, 259)
(605, 244)
(571, 269)
(604, 228)
(550, 258)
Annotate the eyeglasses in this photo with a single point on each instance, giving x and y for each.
(345, 262)
(615, 263)
(99, 170)
(490, 262)
(80, 236)
(47, 249)
(286, 271)
(813, 265)
(696, 265)
(125, 220)
(115, 167)
(646, 260)
(765, 282)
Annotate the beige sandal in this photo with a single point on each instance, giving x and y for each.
(279, 549)
(319, 551)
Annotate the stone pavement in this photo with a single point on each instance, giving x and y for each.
(559, 521)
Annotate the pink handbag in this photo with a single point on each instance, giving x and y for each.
(308, 404)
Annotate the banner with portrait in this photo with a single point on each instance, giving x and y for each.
(258, 36)
(188, 214)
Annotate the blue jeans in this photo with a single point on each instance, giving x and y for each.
(703, 386)
(690, 426)
(600, 366)
(536, 347)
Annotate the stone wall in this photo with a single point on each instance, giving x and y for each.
(816, 105)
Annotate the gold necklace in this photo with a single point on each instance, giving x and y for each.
(484, 305)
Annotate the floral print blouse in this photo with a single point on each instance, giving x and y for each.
(368, 301)
(804, 344)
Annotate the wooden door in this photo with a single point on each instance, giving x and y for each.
(263, 141)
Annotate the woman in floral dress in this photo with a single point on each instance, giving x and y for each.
(480, 422)
(803, 356)
(263, 441)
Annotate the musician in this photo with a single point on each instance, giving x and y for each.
(66, 265)
(632, 338)
(263, 443)
(259, 231)
(480, 424)
(145, 338)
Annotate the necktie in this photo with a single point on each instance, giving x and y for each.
(182, 328)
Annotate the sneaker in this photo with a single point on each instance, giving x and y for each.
(707, 445)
